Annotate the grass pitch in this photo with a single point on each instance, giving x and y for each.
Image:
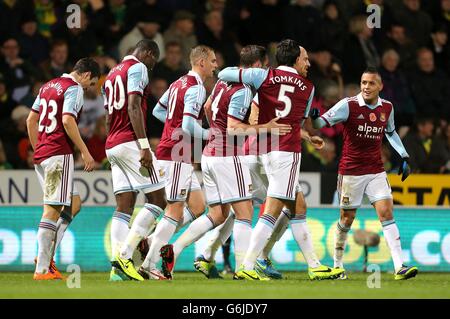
(194, 285)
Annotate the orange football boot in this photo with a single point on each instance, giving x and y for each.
(52, 268)
(47, 276)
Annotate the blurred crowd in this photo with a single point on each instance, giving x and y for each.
(410, 47)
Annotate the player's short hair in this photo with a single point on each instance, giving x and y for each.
(373, 70)
(251, 54)
(147, 45)
(199, 52)
(287, 52)
(87, 65)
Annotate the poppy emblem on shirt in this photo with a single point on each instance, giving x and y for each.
(383, 117)
(372, 117)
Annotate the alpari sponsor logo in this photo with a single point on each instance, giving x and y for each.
(369, 131)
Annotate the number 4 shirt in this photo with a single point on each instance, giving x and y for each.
(58, 97)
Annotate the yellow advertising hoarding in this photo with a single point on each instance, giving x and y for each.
(421, 189)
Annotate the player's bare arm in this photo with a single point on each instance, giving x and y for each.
(137, 121)
(315, 140)
(71, 128)
(254, 112)
(107, 123)
(208, 112)
(236, 127)
(32, 128)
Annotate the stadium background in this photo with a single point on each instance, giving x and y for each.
(411, 49)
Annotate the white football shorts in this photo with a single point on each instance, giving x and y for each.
(127, 173)
(351, 189)
(180, 180)
(259, 178)
(55, 175)
(282, 169)
(226, 179)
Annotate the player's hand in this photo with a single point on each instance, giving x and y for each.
(146, 158)
(404, 168)
(317, 142)
(315, 113)
(278, 129)
(89, 162)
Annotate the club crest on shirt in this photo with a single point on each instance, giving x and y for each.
(345, 201)
(382, 117)
(197, 107)
(243, 111)
(372, 117)
(183, 192)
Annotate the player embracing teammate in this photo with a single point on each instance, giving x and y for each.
(284, 93)
(284, 97)
(226, 176)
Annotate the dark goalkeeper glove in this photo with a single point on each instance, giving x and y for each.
(404, 168)
(315, 113)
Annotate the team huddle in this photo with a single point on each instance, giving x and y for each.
(252, 155)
